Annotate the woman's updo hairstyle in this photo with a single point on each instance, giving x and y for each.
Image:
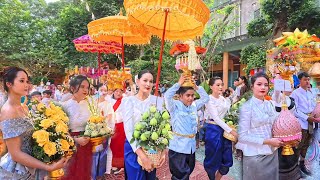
(145, 71)
(10, 74)
(213, 80)
(75, 83)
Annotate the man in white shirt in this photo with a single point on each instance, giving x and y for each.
(305, 104)
(58, 93)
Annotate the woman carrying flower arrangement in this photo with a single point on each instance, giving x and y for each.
(218, 149)
(134, 107)
(79, 114)
(184, 127)
(17, 131)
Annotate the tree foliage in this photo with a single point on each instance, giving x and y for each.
(38, 37)
(279, 16)
(253, 56)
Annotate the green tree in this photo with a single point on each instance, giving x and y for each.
(279, 16)
(253, 56)
(222, 22)
(24, 36)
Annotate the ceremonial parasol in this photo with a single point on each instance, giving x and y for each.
(171, 20)
(117, 28)
(86, 44)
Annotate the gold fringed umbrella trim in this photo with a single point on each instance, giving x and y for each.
(112, 28)
(186, 18)
(173, 35)
(194, 8)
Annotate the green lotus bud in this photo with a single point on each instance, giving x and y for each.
(143, 137)
(138, 126)
(165, 115)
(230, 123)
(164, 131)
(136, 134)
(165, 141)
(153, 122)
(154, 136)
(147, 134)
(168, 127)
(145, 115)
(157, 115)
(153, 109)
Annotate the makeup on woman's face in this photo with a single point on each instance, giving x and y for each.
(217, 87)
(145, 83)
(83, 90)
(260, 87)
(20, 84)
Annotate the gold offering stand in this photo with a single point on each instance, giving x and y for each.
(59, 173)
(287, 149)
(189, 82)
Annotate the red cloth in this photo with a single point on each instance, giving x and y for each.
(117, 104)
(117, 141)
(117, 146)
(79, 167)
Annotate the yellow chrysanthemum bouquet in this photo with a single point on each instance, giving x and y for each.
(51, 138)
(96, 128)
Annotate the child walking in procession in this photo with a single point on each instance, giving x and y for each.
(184, 127)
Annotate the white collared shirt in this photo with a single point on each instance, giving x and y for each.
(255, 126)
(305, 104)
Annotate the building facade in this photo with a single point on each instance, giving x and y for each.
(230, 68)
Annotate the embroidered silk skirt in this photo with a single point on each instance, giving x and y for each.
(261, 167)
(218, 151)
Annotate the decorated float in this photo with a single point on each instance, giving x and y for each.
(294, 52)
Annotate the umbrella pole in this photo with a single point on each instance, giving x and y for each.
(122, 54)
(99, 63)
(161, 52)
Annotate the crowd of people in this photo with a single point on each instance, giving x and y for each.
(122, 109)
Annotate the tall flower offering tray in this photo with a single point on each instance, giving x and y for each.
(188, 57)
(96, 127)
(152, 134)
(288, 129)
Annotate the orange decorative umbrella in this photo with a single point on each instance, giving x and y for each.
(86, 44)
(117, 28)
(171, 20)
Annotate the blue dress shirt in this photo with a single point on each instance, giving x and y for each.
(184, 119)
